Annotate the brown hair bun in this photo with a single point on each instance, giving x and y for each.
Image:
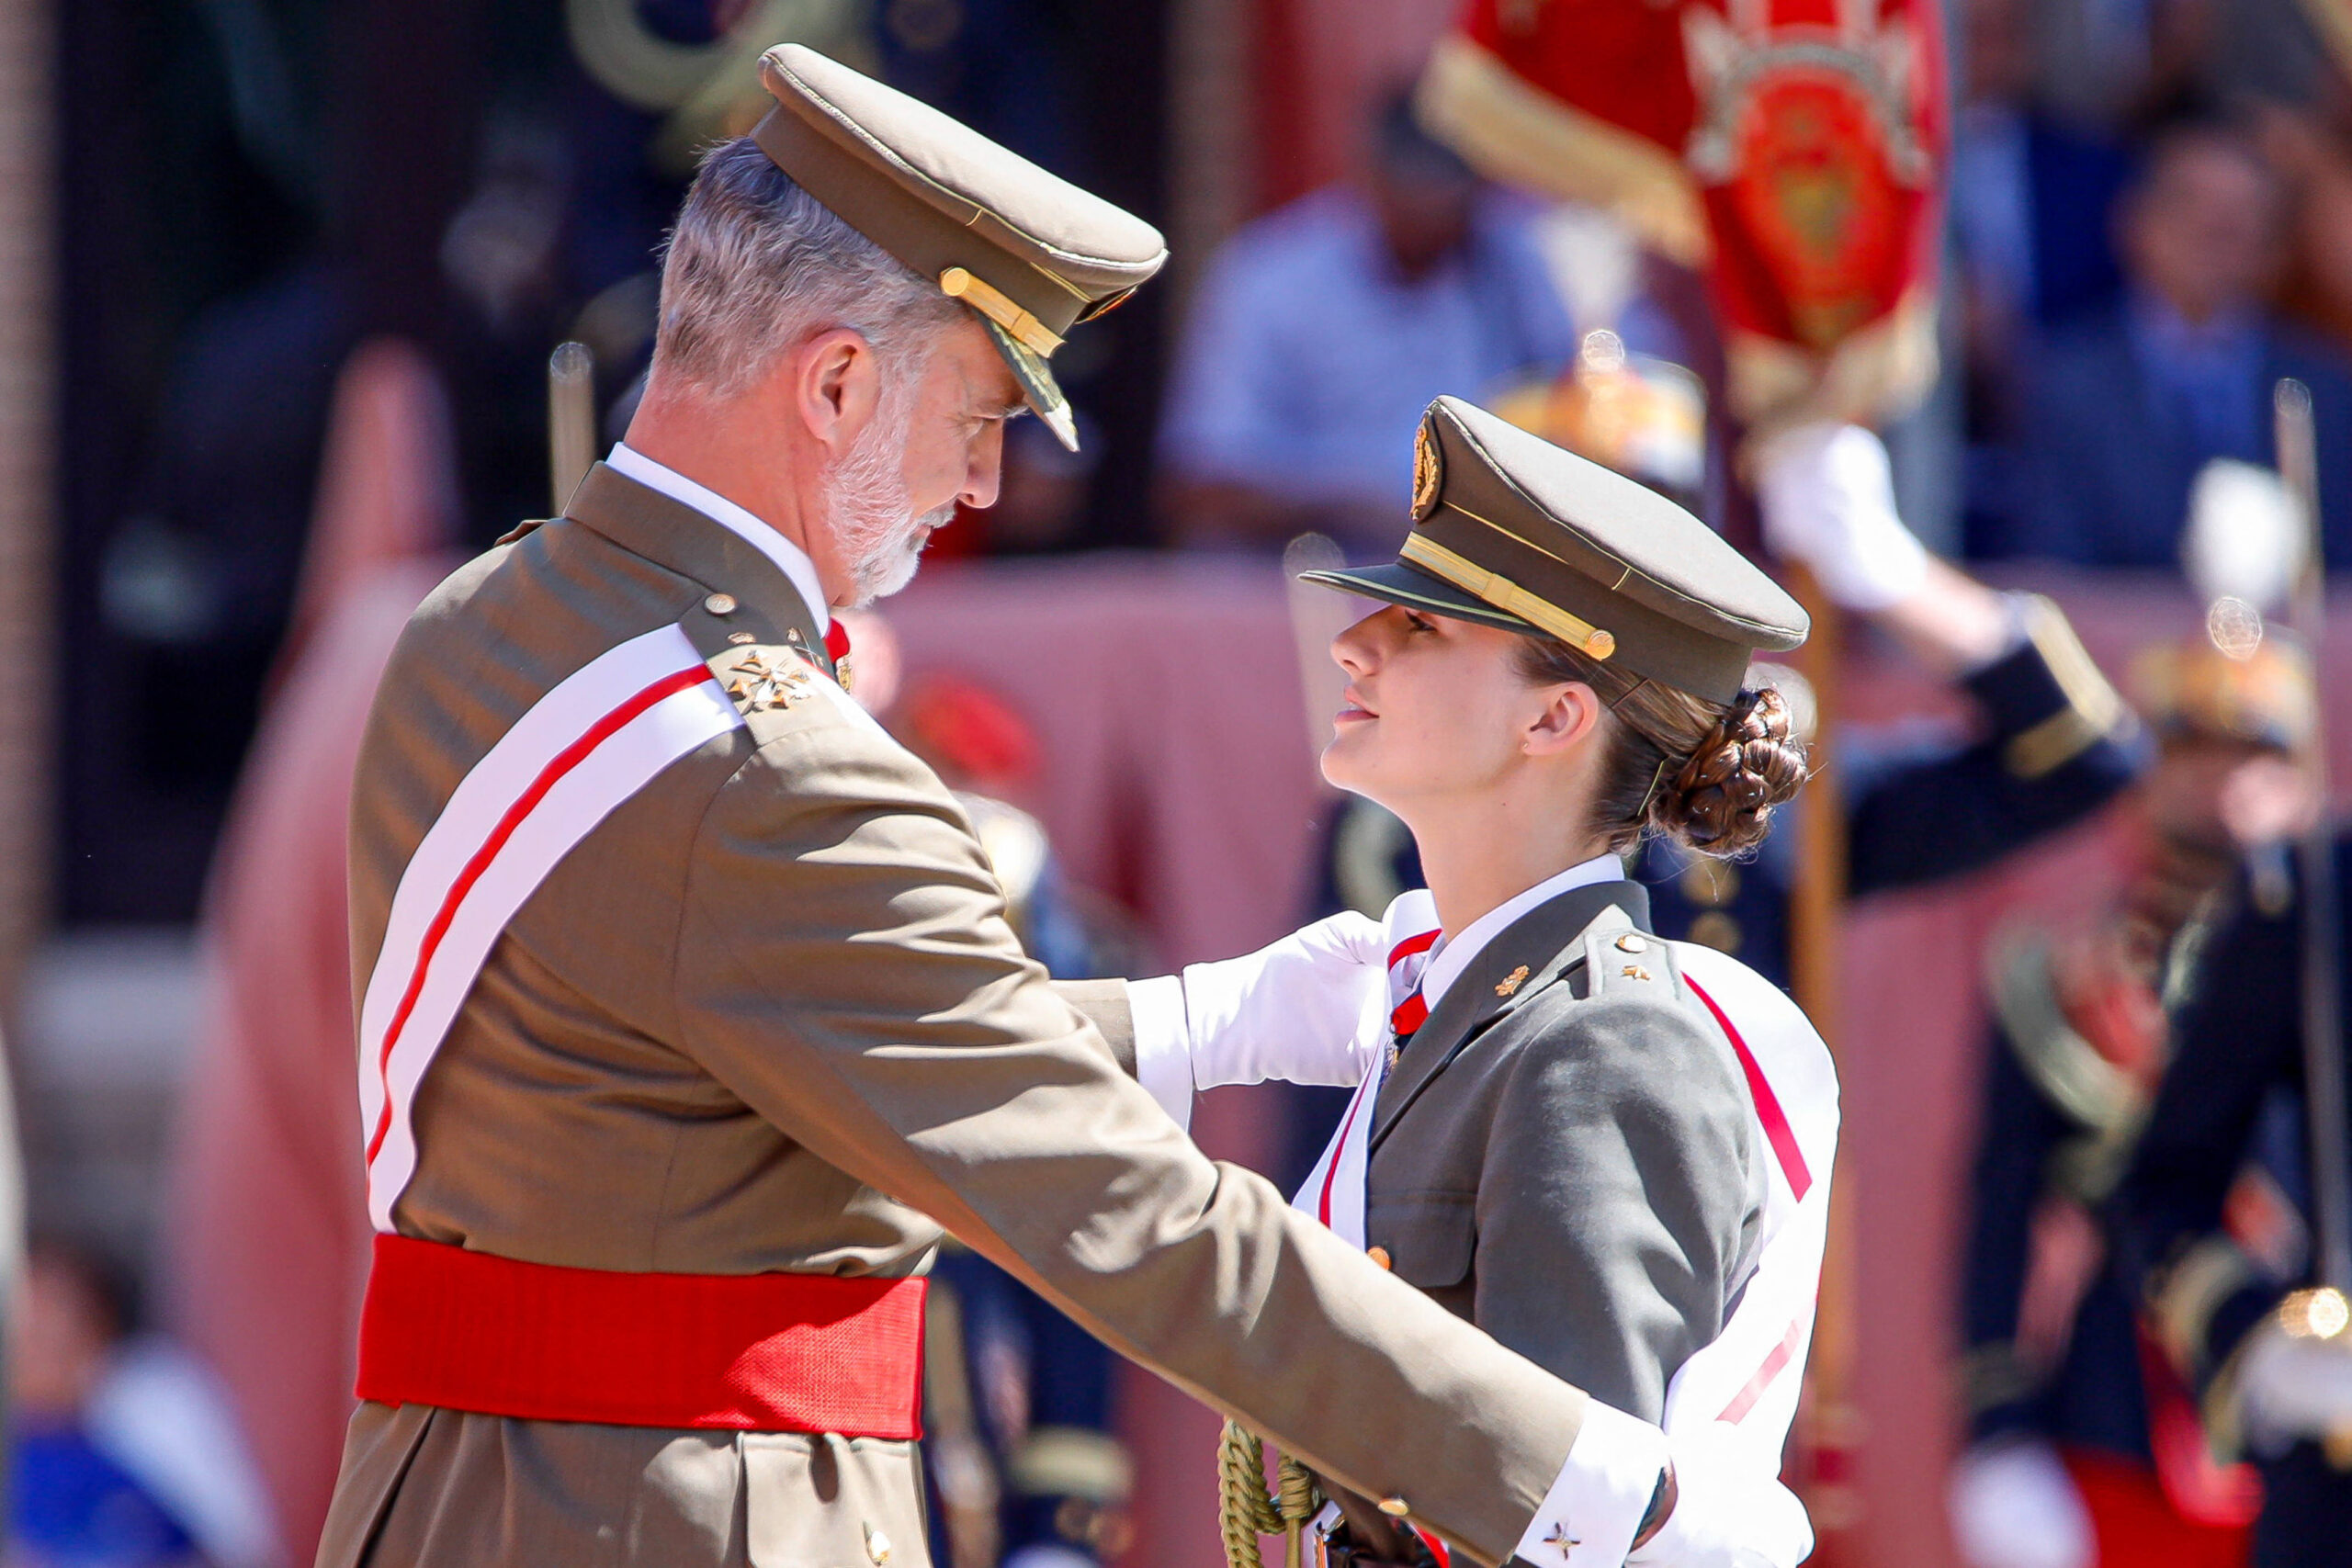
(1720, 800)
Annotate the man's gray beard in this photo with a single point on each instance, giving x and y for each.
(866, 503)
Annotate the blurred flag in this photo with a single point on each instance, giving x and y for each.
(1788, 149)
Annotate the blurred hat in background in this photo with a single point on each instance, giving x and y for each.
(2194, 690)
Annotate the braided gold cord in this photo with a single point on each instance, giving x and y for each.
(1244, 1510)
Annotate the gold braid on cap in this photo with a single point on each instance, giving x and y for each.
(957, 282)
(1508, 596)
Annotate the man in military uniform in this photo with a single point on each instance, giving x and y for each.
(691, 1012)
(2267, 1357)
(2083, 1451)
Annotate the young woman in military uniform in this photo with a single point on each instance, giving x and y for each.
(1563, 1130)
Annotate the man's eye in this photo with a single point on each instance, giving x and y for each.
(1420, 622)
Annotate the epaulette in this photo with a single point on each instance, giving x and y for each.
(765, 666)
(1620, 956)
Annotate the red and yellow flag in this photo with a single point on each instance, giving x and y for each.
(1790, 149)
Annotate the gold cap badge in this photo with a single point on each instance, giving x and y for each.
(1429, 470)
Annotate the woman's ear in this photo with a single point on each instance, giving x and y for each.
(836, 386)
(1570, 715)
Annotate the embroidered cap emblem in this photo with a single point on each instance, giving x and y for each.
(1429, 470)
(1511, 982)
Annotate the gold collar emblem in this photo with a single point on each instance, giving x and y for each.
(1511, 981)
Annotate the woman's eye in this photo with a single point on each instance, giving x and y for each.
(1420, 622)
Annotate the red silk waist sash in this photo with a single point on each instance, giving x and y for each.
(467, 1330)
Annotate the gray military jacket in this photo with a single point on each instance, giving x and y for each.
(1566, 1152)
(767, 1015)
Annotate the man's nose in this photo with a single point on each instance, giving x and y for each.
(984, 476)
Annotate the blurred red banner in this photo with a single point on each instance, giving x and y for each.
(1788, 149)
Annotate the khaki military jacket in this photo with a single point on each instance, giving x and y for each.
(767, 1015)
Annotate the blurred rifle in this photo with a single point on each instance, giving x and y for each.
(2323, 979)
(572, 419)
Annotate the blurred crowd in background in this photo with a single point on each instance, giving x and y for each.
(313, 259)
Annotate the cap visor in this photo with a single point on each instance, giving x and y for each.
(1038, 387)
(1400, 583)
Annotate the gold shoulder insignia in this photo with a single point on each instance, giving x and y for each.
(766, 678)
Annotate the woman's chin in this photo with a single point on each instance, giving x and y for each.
(1343, 769)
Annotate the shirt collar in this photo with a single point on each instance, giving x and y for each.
(789, 558)
(1455, 955)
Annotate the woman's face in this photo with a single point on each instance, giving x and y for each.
(1437, 711)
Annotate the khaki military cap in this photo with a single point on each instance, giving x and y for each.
(1031, 253)
(1512, 531)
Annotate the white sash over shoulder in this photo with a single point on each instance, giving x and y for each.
(595, 739)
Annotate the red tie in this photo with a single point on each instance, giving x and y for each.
(836, 641)
(1412, 1013)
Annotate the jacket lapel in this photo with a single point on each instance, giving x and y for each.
(1537, 950)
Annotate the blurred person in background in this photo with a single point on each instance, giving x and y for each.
(2124, 409)
(2028, 195)
(2265, 1357)
(120, 1452)
(2086, 1452)
(1320, 332)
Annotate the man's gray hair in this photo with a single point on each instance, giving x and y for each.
(756, 264)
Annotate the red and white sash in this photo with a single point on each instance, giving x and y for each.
(1749, 1376)
(595, 739)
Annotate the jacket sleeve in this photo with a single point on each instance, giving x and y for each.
(2236, 1035)
(2057, 743)
(1617, 1198)
(842, 965)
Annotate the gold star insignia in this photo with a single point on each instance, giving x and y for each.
(1511, 981)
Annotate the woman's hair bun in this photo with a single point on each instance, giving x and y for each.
(1721, 800)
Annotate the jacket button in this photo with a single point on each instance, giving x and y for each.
(1628, 943)
(720, 603)
(1379, 1255)
(1395, 1508)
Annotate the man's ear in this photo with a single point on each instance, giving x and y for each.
(1571, 713)
(836, 386)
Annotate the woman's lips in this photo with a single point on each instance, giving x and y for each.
(1349, 715)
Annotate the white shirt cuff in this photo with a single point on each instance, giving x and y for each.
(1589, 1517)
(1163, 1045)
